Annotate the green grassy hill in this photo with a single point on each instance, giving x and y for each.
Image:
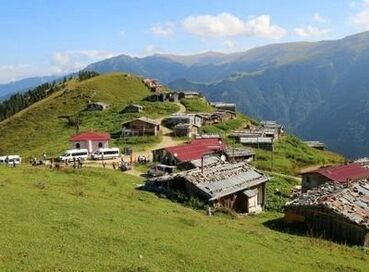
(94, 220)
(39, 128)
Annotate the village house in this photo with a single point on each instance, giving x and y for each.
(175, 119)
(315, 144)
(153, 84)
(193, 150)
(140, 126)
(272, 125)
(90, 141)
(158, 97)
(133, 108)
(189, 94)
(335, 211)
(239, 154)
(363, 162)
(333, 174)
(237, 186)
(97, 106)
(265, 143)
(185, 130)
(221, 116)
(224, 106)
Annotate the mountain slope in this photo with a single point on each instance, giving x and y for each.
(44, 126)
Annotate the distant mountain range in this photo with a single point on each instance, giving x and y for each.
(319, 90)
(8, 89)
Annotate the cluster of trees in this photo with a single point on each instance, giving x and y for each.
(83, 75)
(20, 101)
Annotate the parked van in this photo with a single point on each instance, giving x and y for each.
(72, 154)
(11, 159)
(106, 153)
(158, 170)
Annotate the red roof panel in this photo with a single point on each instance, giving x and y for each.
(195, 149)
(93, 136)
(343, 173)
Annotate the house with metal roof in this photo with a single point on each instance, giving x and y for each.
(90, 141)
(140, 126)
(315, 144)
(97, 106)
(333, 174)
(257, 142)
(238, 186)
(132, 108)
(238, 154)
(337, 211)
(224, 106)
(192, 150)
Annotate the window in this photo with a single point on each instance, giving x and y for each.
(100, 145)
(78, 145)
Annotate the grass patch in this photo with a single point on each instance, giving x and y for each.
(290, 155)
(196, 105)
(225, 127)
(118, 228)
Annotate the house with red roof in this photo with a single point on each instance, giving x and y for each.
(187, 152)
(335, 174)
(90, 141)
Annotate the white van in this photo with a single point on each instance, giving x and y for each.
(2, 159)
(106, 153)
(72, 154)
(11, 159)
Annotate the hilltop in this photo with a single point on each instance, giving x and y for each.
(44, 126)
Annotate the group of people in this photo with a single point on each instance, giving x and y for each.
(142, 160)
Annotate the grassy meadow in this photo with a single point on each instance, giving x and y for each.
(95, 220)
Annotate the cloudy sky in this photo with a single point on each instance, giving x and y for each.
(50, 37)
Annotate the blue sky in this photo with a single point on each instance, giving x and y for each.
(50, 37)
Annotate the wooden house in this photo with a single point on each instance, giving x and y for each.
(140, 126)
(333, 174)
(315, 144)
(237, 186)
(224, 106)
(272, 125)
(185, 130)
(133, 108)
(334, 211)
(189, 94)
(97, 106)
(175, 119)
(239, 154)
(265, 143)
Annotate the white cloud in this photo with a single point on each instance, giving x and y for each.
(12, 72)
(69, 61)
(310, 32)
(164, 30)
(317, 18)
(227, 25)
(361, 19)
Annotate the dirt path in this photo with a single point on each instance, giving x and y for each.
(166, 140)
